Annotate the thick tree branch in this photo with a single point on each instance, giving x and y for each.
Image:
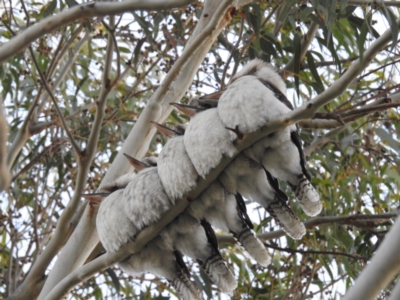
(384, 265)
(82, 11)
(84, 163)
(5, 176)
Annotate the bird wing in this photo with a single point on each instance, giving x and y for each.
(241, 206)
(295, 137)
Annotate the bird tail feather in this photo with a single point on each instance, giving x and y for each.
(219, 273)
(308, 197)
(185, 287)
(286, 218)
(253, 246)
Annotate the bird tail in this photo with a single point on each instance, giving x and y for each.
(182, 283)
(286, 218)
(185, 287)
(219, 273)
(308, 197)
(253, 246)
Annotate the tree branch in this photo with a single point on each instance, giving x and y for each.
(384, 265)
(84, 164)
(25, 132)
(339, 86)
(310, 224)
(290, 250)
(303, 112)
(327, 124)
(85, 236)
(82, 11)
(60, 115)
(5, 176)
(305, 44)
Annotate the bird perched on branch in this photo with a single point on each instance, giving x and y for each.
(206, 138)
(222, 209)
(255, 96)
(177, 173)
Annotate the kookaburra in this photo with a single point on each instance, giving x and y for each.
(222, 209)
(206, 139)
(255, 96)
(177, 173)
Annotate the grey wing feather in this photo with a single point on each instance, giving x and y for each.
(207, 140)
(176, 171)
(113, 226)
(145, 199)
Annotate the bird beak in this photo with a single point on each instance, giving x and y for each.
(95, 197)
(136, 164)
(211, 99)
(208, 102)
(166, 131)
(189, 110)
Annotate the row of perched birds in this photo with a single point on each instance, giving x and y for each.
(254, 96)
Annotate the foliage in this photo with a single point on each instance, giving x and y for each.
(355, 171)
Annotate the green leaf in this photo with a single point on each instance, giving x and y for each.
(50, 8)
(286, 9)
(114, 279)
(384, 135)
(392, 20)
(297, 54)
(71, 3)
(314, 72)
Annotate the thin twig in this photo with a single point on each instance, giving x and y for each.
(231, 55)
(290, 250)
(78, 151)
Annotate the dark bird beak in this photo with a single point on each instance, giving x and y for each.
(189, 110)
(95, 197)
(166, 131)
(136, 164)
(211, 100)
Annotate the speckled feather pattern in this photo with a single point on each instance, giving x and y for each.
(113, 226)
(145, 199)
(176, 171)
(207, 140)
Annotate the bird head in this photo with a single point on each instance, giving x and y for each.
(263, 71)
